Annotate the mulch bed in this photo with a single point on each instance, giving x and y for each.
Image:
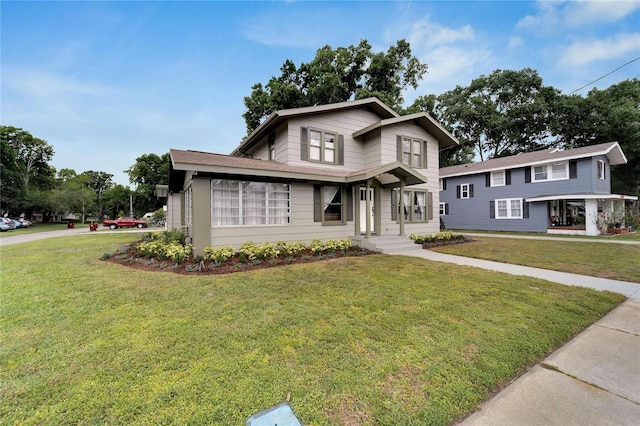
(232, 265)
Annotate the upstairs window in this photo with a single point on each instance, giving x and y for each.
(412, 152)
(321, 146)
(497, 178)
(464, 191)
(549, 172)
(601, 170)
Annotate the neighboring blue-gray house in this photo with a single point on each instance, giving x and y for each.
(543, 191)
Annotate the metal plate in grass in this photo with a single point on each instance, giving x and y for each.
(278, 415)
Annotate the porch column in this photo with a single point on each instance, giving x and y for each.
(367, 216)
(401, 212)
(591, 217)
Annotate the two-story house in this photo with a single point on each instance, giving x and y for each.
(323, 172)
(550, 191)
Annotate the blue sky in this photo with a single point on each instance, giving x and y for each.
(105, 82)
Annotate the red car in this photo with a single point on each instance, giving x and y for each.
(124, 222)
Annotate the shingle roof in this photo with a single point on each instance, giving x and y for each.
(612, 150)
(226, 164)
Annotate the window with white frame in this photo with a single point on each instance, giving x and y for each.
(549, 172)
(235, 203)
(497, 178)
(440, 185)
(464, 191)
(508, 208)
(601, 172)
(442, 209)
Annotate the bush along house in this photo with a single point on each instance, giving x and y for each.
(553, 191)
(347, 170)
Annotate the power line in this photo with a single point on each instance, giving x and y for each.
(607, 74)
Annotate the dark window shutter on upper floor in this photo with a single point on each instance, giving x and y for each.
(471, 191)
(349, 204)
(399, 148)
(424, 154)
(525, 210)
(492, 209)
(304, 144)
(317, 203)
(507, 177)
(527, 174)
(444, 184)
(457, 191)
(430, 205)
(573, 169)
(487, 179)
(341, 150)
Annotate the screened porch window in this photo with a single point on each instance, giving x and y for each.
(235, 203)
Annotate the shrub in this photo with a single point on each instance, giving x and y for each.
(248, 252)
(316, 247)
(218, 255)
(290, 249)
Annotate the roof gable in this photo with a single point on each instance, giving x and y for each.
(276, 118)
(612, 150)
(422, 119)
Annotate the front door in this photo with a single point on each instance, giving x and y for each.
(363, 210)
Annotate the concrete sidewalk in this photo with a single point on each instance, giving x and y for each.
(592, 380)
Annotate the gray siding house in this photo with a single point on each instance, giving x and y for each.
(350, 169)
(554, 191)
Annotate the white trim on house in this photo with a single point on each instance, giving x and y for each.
(581, 197)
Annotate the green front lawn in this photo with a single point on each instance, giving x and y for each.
(369, 340)
(614, 261)
(42, 227)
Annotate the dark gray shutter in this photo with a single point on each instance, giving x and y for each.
(349, 203)
(457, 191)
(424, 154)
(471, 191)
(487, 179)
(507, 177)
(525, 209)
(317, 203)
(341, 150)
(444, 184)
(304, 144)
(573, 169)
(399, 148)
(492, 209)
(430, 205)
(394, 204)
(527, 174)
(446, 208)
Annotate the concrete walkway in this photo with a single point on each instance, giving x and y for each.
(592, 380)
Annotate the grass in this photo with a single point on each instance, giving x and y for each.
(634, 236)
(614, 261)
(369, 340)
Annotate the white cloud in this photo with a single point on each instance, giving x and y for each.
(430, 34)
(557, 15)
(585, 52)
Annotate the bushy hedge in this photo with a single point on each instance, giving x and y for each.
(171, 245)
(437, 238)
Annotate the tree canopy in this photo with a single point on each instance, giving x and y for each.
(504, 113)
(337, 75)
(24, 170)
(148, 171)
